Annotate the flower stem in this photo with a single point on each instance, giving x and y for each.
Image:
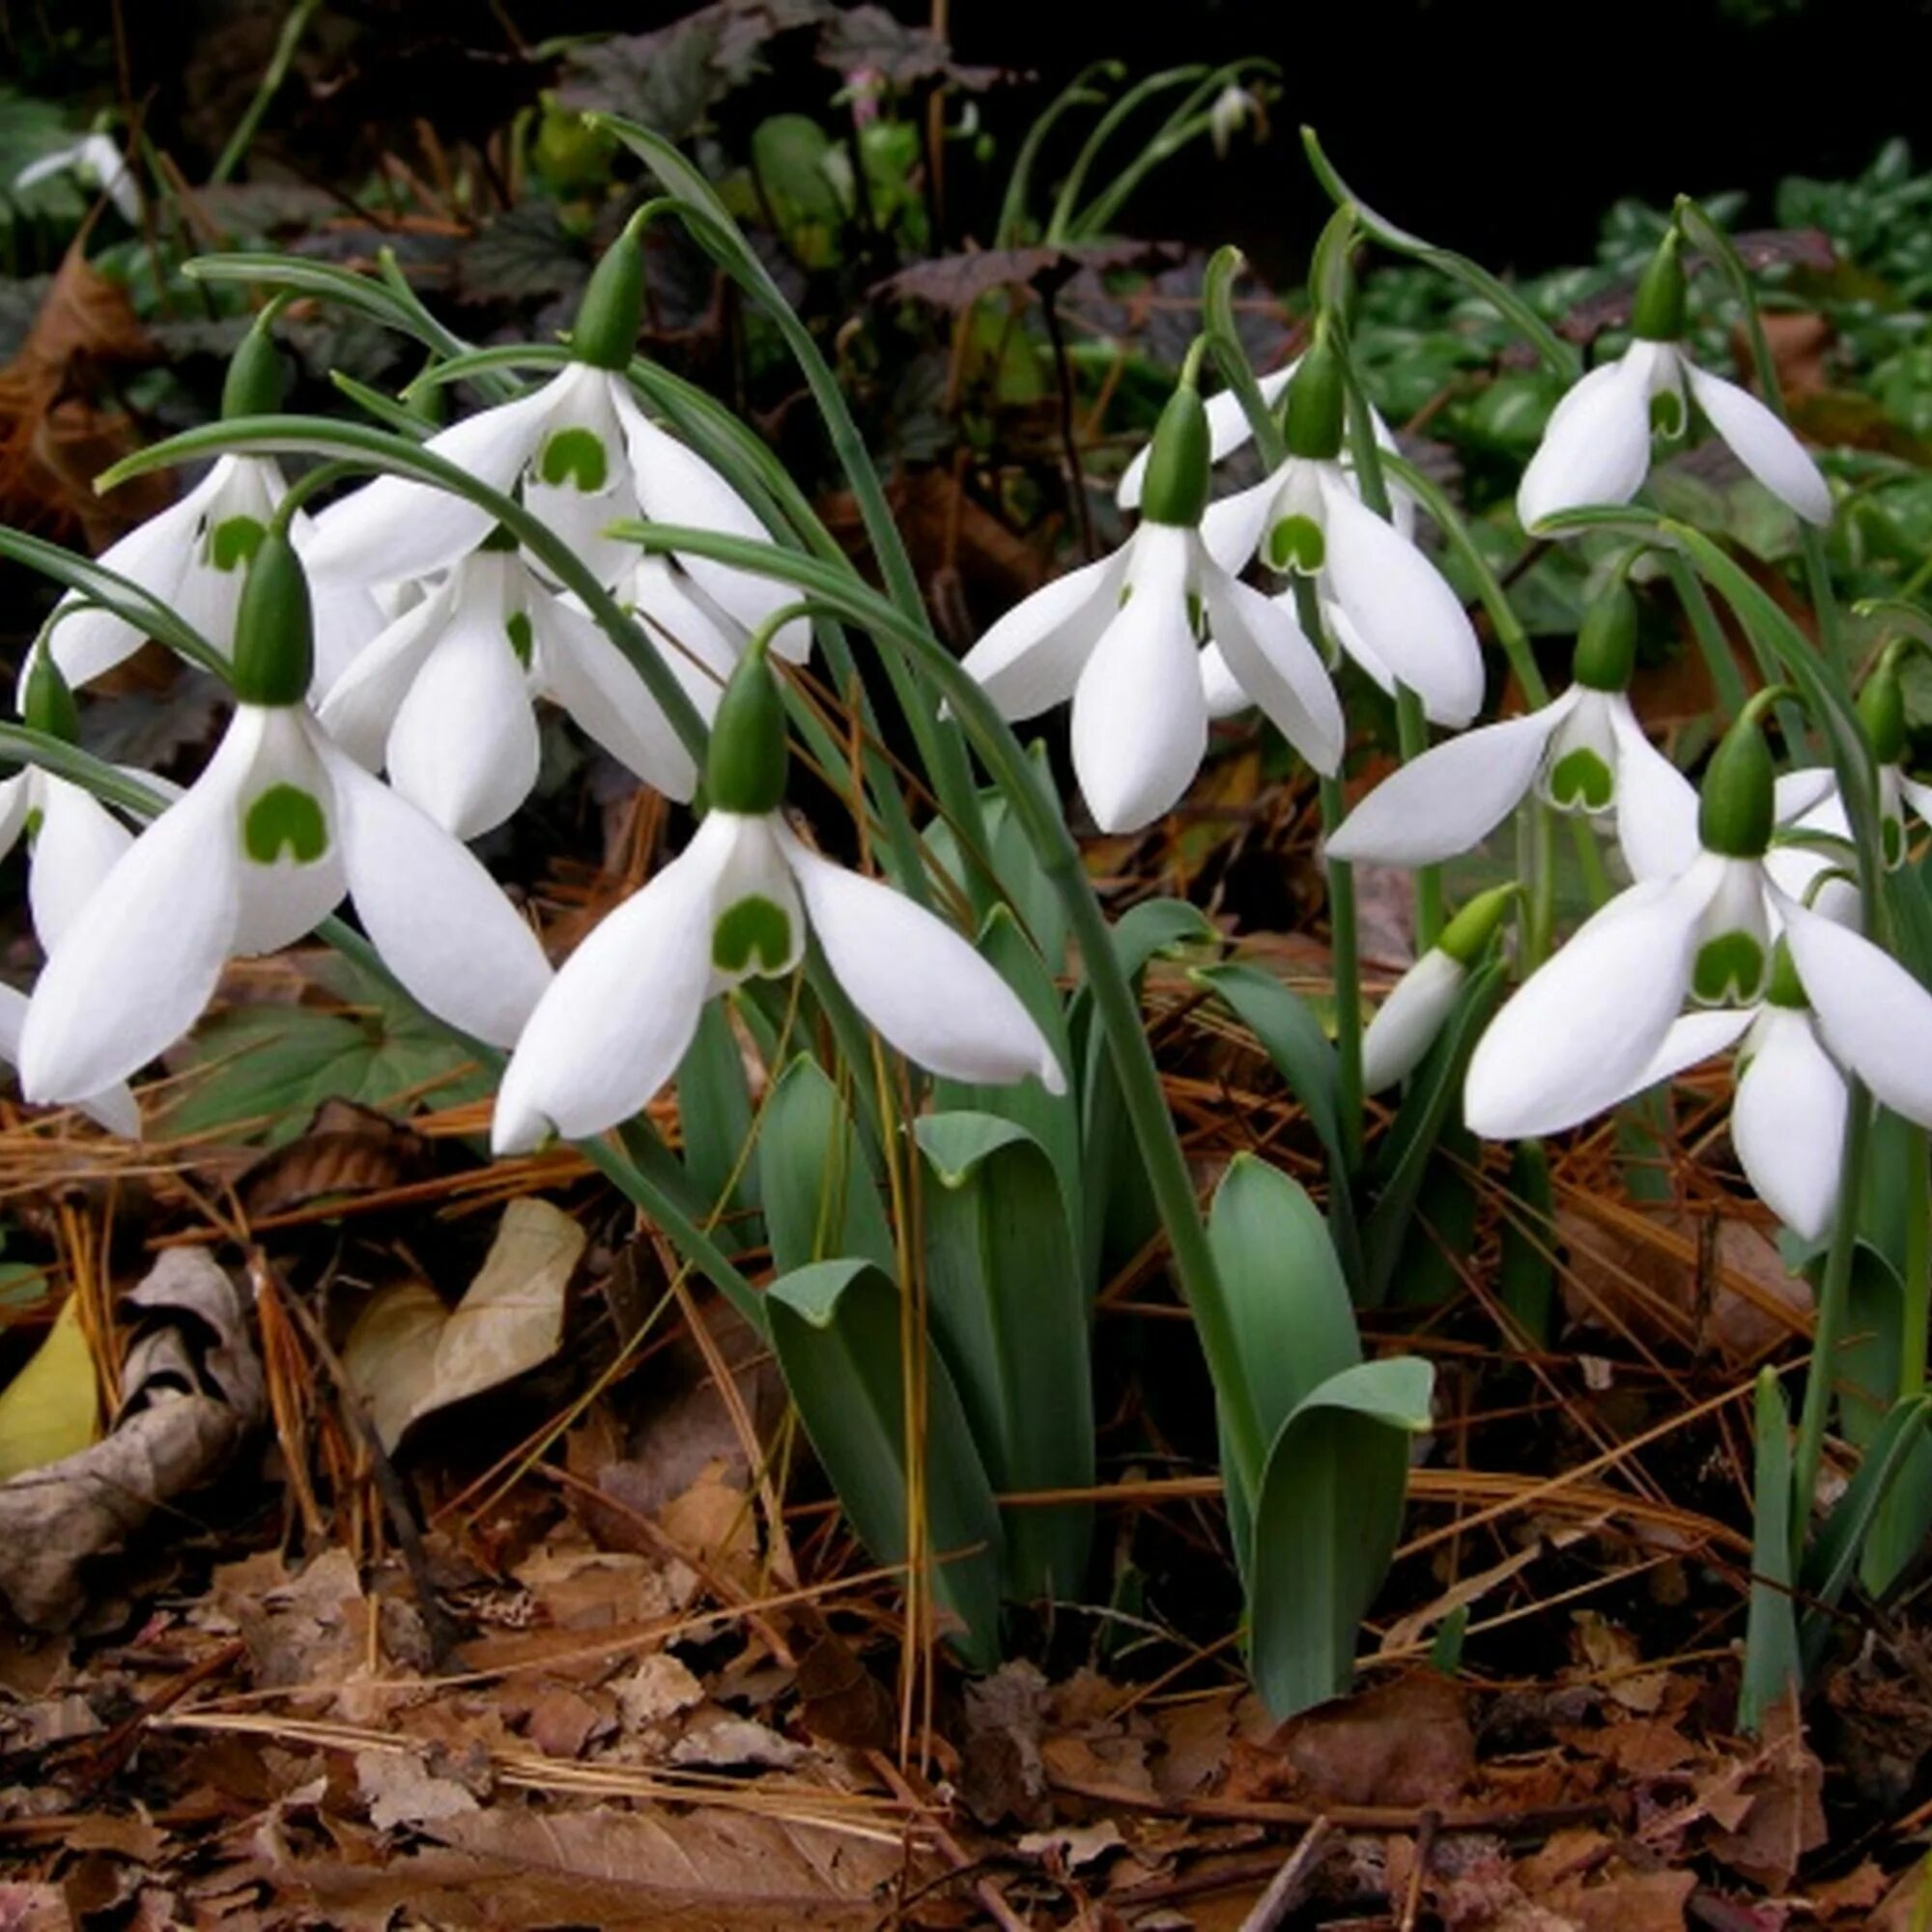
(1834, 1294)
(1412, 735)
(239, 142)
(1916, 1326)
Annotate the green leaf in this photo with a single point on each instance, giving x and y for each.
(1441, 1227)
(1403, 1159)
(1053, 1120)
(260, 1072)
(1287, 1300)
(1834, 1555)
(1293, 1040)
(1772, 1668)
(1327, 1526)
(1526, 1271)
(1010, 1314)
(714, 1105)
(820, 1198)
(836, 1327)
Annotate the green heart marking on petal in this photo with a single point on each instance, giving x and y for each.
(233, 543)
(753, 926)
(1894, 833)
(1668, 414)
(1729, 967)
(521, 636)
(36, 818)
(285, 818)
(575, 456)
(1297, 543)
(1582, 781)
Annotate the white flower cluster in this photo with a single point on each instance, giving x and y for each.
(400, 631)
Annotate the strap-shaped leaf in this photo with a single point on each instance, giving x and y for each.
(820, 1198)
(1772, 1668)
(836, 1329)
(1010, 1314)
(1327, 1526)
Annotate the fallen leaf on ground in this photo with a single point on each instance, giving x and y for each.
(51, 1408)
(407, 1359)
(193, 1393)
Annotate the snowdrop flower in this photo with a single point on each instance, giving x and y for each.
(735, 904)
(443, 697)
(1582, 751)
(194, 555)
(1407, 1022)
(1596, 446)
(586, 457)
(1389, 607)
(1583, 1030)
(1122, 637)
(1233, 109)
(1228, 430)
(97, 163)
(264, 844)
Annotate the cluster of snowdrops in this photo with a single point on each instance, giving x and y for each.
(387, 654)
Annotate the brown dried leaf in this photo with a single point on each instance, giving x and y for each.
(402, 1790)
(958, 281)
(704, 1860)
(193, 1393)
(1406, 1741)
(842, 1702)
(347, 1148)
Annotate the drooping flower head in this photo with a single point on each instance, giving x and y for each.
(442, 698)
(1583, 1030)
(264, 844)
(194, 557)
(734, 905)
(1583, 752)
(1596, 446)
(1122, 639)
(584, 456)
(1386, 603)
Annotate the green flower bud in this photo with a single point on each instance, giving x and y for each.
(1177, 483)
(612, 312)
(49, 705)
(1882, 710)
(1656, 315)
(256, 380)
(275, 627)
(1318, 405)
(1607, 642)
(1467, 937)
(744, 769)
(1737, 809)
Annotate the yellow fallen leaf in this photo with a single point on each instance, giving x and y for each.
(52, 1407)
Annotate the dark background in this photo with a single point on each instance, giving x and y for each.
(1503, 127)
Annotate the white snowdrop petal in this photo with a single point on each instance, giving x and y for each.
(113, 1108)
(1762, 444)
(463, 747)
(1585, 1025)
(1656, 805)
(914, 980)
(1875, 1016)
(579, 668)
(1449, 799)
(1032, 659)
(1691, 1041)
(1788, 1121)
(618, 1016)
(439, 920)
(1220, 687)
(1596, 446)
(1140, 720)
(1407, 1022)
(675, 485)
(140, 960)
(1278, 668)
(1402, 606)
(1232, 528)
(393, 528)
(79, 842)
